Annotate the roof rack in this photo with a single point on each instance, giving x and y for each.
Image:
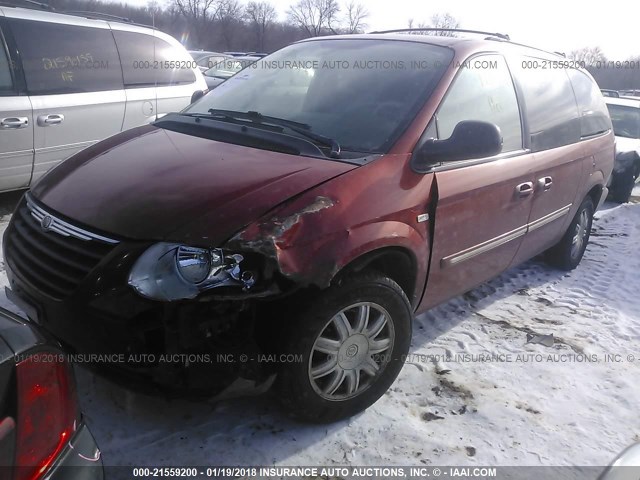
(30, 4)
(430, 29)
(560, 54)
(103, 16)
(97, 15)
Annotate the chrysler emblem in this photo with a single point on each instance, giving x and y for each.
(45, 223)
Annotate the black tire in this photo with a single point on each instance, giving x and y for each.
(299, 393)
(622, 185)
(563, 255)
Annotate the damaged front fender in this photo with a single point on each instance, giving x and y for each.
(274, 237)
(310, 245)
(310, 239)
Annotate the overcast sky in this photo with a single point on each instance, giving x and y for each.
(549, 24)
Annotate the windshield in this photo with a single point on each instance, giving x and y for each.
(227, 67)
(625, 120)
(362, 93)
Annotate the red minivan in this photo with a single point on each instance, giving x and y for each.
(293, 221)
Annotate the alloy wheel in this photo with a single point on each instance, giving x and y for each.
(580, 234)
(351, 351)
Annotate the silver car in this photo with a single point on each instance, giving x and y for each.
(625, 117)
(226, 68)
(67, 82)
(206, 60)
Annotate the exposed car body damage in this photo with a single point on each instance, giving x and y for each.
(318, 234)
(271, 238)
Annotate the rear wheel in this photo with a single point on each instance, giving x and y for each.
(568, 252)
(347, 347)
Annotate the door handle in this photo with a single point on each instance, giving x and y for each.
(50, 120)
(524, 189)
(13, 123)
(545, 183)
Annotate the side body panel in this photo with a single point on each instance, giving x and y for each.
(154, 66)
(16, 119)
(480, 222)
(88, 118)
(557, 176)
(16, 143)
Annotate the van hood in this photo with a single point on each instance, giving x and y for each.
(149, 183)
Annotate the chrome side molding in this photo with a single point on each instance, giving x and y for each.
(492, 243)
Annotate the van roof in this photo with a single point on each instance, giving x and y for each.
(79, 18)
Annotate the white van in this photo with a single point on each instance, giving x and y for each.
(67, 81)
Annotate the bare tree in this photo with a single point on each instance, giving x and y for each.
(356, 15)
(199, 15)
(410, 24)
(154, 8)
(588, 55)
(260, 15)
(444, 20)
(315, 17)
(228, 18)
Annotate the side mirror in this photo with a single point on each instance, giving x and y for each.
(197, 95)
(470, 139)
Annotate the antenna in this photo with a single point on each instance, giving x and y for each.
(155, 77)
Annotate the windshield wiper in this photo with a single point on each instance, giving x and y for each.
(298, 127)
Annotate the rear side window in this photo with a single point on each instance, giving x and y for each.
(60, 58)
(6, 82)
(594, 118)
(148, 61)
(626, 121)
(550, 103)
(483, 90)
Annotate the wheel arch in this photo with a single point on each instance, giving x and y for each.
(595, 193)
(398, 263)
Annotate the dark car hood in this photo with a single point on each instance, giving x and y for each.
(154, 184)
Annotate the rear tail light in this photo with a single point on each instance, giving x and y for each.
(47, 412)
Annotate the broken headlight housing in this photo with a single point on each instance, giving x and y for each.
(170, 271)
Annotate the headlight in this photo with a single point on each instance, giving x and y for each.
(169, 271)
(194, 264)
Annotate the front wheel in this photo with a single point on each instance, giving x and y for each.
(568, 252)
(347, 347)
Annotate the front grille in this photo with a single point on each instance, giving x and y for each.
(51, 254)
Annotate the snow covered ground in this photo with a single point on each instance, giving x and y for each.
(507, 402)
